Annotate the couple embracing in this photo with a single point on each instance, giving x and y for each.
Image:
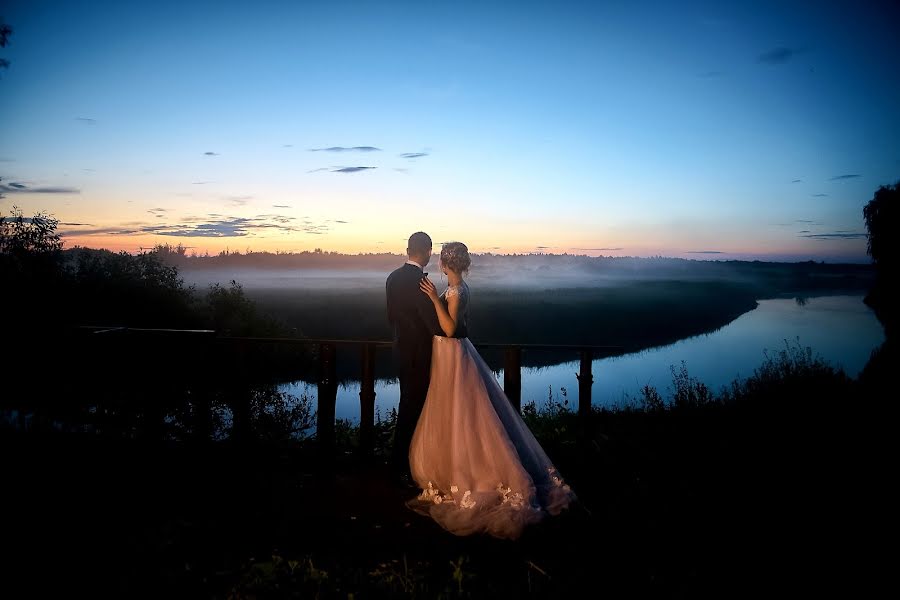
(478, 466)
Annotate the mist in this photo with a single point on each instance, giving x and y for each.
(337, 272)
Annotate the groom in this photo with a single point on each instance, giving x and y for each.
(414, 321)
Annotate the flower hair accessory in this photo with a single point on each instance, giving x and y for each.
(455, 256)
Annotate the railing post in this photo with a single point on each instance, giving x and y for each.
(327, 399)
(367, 401)
(585, 381)
(239, 395)
(201, 408)
(512, 376)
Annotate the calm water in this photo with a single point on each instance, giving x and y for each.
(841, 329)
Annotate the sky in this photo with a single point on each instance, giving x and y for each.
(707, 130)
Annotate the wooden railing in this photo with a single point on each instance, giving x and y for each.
(327, 380)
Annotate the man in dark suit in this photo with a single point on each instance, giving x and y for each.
(414, 321)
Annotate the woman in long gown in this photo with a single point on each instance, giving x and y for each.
(479, 466)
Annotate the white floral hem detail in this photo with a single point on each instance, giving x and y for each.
(432, 494)
(507, 496)
(557, 480)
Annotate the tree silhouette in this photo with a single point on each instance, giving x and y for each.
(881, 222)
(5, 32)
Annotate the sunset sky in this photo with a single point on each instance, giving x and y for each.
(692, 129)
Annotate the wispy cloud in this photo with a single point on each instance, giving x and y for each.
(704, 252)
(797, 181)
(215, 225)
(401, 170)
(805, 231)
(287, 145)
(200, 182)
(21, 188)
(237, 200)
(159, 213)
(340, 221)
(778, 56)
(101, 231)
(280, 206)
(86, 120)
(347, 149)
(413, 154)
(210, 154)
(590, 249)
(352, 169)
(803, 221)
(837, 235)
(320, 169)
(840, 177)
(819, 195)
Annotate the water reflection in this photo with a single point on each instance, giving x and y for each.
(841, 329)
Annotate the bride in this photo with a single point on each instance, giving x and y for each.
(479, 466)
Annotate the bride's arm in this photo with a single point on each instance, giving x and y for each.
(447, 315)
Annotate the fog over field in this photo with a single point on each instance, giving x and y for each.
(342, 272)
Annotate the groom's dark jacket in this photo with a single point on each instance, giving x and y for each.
(413, 319)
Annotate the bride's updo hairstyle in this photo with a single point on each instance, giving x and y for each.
(455, 256)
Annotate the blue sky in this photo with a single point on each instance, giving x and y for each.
(753, 130)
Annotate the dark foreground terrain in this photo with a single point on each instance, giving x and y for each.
(701, 500)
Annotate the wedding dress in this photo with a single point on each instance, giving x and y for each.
(479, 466)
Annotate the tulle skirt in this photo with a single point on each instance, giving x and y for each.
(479, 466)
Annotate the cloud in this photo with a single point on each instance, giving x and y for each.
(351, 169)
(778, 56)
(346, 149)
(287, 145)
(837, 235)
(211, 154)
(840, 177)
(401, 170)
(215, 225)
(200, 182)
(704, 252)
(5, 159)
(588, 249)
(237, 200)
(21, 188)
(101, 231)
(803, 221)
(804, 231)
(321, 169)
(819, 195)
(797, 181)
(86, 120)
(413, 154)
(280, 206)
(340, 221)
(159, 213)
(77, 224)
